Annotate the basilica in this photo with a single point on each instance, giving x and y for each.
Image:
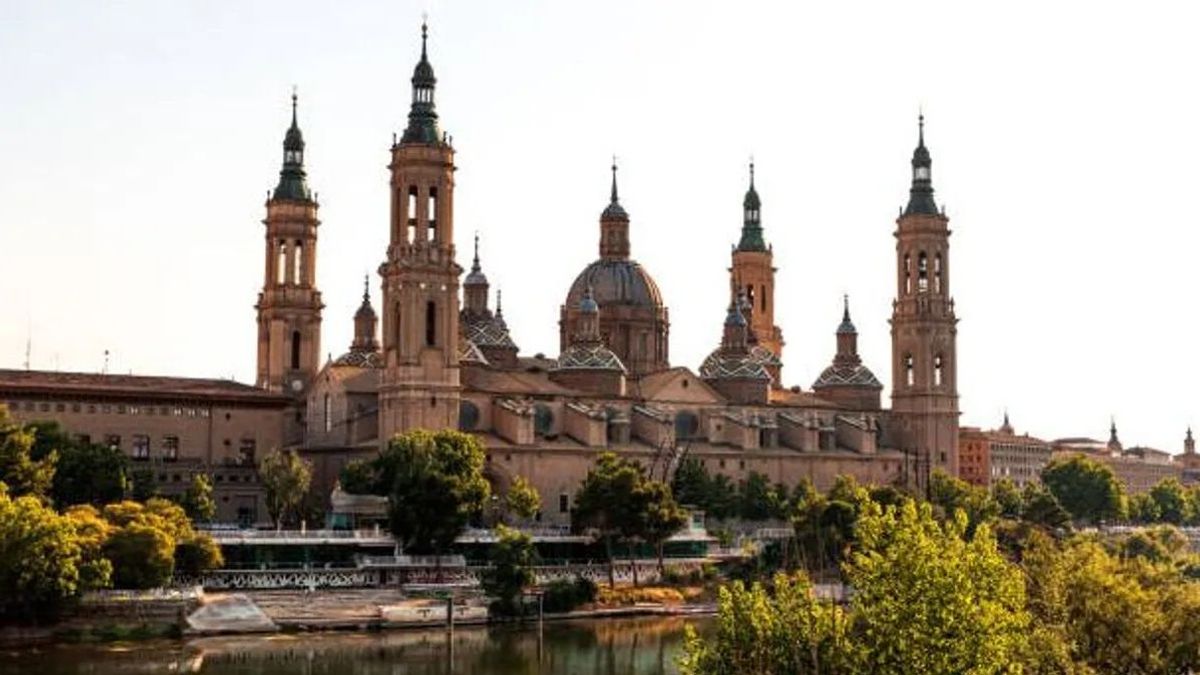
(437, 353)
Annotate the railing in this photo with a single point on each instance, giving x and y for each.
(165, 593)
(427, 561)
(223, 535)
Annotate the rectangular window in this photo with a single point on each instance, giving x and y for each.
(328, 414)
(75, 407)
(170, 448)
(113, 441)
(141, 446)
(246, 450)
(564, 503)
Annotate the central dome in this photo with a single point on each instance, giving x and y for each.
(615, 282)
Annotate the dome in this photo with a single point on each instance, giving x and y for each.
(615, 282)
(721, 365)
(360, 359)
(487, 331)
(847, 376)
(593, 356)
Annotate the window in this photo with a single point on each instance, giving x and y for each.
(247, 448)
(687, 425)
(113, 441)
(84, 439)
(60, 407)
(937, 370)
(564, 503)
(908, 369)
(937, 273)
(141, 446)
(431, 214)
(750, 297)
(298, 263)
(170, 448)
(281, 264)
(922, 273)
(295, 350)
(327, 413)
(907, 274)
(430, 324)
(411, 210)
(762, 297)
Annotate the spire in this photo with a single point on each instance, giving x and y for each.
(475, 263)
(920, 196)
(422, 116)
(846, 326)
(734, 337)
(367, 289)
(614, 210)
(365, 322)
(1007, 426)
(1114, 443)
(476, 277)
(752, 239)
(847, 339)
(1189, 443)
(292, 177)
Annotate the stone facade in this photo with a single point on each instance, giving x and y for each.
(1138, 468)
(986, 457)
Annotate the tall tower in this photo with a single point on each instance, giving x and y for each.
(289, 306)
(924, 362)
(754, 274)
(420, 383)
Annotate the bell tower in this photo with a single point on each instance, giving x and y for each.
(924, 363)
(289, 305)
(420, 383)
(753, 274)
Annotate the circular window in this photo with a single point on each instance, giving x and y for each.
(468, 416)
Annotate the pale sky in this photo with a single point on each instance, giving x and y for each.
(138, 140)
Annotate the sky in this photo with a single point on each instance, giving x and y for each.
(138, 140)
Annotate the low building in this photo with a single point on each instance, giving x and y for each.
(1138, 468)
(170, 427)
(986, 457)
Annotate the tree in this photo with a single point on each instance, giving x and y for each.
(196, 555)
(950, 494)
(663, 517)
(197, 501)
(39, 558)
(142, 556)
(608, 504)
(1042, 509)
(19, 470)
(1008, 498)
(434, 484)
(511, 572)
(1087, 489)
(522, 499)
(91, 531)
(754, 498)
(358, 477)
(690, 484)
(286, 478)
(84, 473)
(1171, 500)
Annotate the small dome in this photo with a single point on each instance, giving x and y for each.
(475, 278)
(848, 376)
(615, 282)
(614, 211)
(423, 73)
(722, 365)
(589, 356)
(487, 331)
(360, 359)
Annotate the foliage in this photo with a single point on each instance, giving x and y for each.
(564, 595)
(434, 484)
(358, 477)
(756, 500)
(40, 558)
(84, 473)
(511, 571)
(1041, 509)
(1087, 489)
(91, 531)
(1008, 498)
(662, 517)
(19, 469)
(142, 556)
(522, 499)
(694, 486)
(286, 478)
(197, 554)
(142, 485)
(608, 503)
(951, 495)
(197, 501)
(1172, 502)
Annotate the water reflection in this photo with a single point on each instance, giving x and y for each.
(609, 647)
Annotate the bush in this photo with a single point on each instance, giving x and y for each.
(142, 556)
(196, 555)
(565, 595)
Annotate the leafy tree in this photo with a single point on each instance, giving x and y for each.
(780, 501)
(1087, 489)
(1171, 500)
(663, 517)
(522, 499)
(196, 555)
(1042, 509)
(722, 499)
(434, 483)
(286, 478)
(754, 499)
(142, 556)
(1008, 498)
(19, 470)
(358, 477)
(951, 495)
(142, 485)
(84, 473)
(40, 558)
(690, 484)
(609, 505)
(513, 558)
(91, 531)
(197, 501)
(888, 495)
(1142, 508)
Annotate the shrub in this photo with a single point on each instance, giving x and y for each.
(565, 595)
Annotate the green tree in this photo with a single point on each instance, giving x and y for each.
(286, 478)
(91, 531)
(609, 505)
(663, 517)
(359, 477)
(197, 501)
(512, 560)
(1041, 509)
(1171, 500)
(19, 470)
(1087, 489)
(196, 555)
(690, 484)
(1008, 498)
(142, 556)
(1142, 508)
(434, 483)
(950, 495)
(754, 498)
(84, 473)
(522, 499)
(141, 485)
(40, 558)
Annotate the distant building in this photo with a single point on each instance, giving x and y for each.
(989, 456)
(170, 427)
(1138, 468)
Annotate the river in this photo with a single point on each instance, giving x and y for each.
(644, 646)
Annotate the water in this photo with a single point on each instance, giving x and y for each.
(595, 647)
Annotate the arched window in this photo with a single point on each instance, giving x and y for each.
(922, 272)
(431, 214)
(468, 416)
(937, 370)
(750, 296)
(298, 264)
(295, 350)
(762, 292)
(907, 274)
(937, 273)
(328, 414)
(431, 324)
(410, 210)
(908, 369)
(281, 264)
